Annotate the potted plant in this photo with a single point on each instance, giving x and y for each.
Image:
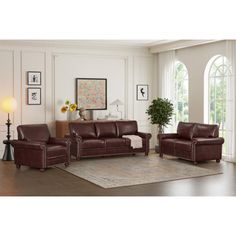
(160, 113)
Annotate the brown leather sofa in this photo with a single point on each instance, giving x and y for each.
(103, 138)
(193, 141)
(36, 148)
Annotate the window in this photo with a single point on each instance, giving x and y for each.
(219, 100)
(180, 101)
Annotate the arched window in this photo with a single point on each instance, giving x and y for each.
(218, 98)
(180, 98)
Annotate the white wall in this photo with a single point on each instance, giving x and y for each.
(196, 59)
(123, 67)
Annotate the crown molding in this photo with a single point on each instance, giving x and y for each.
(178, 44)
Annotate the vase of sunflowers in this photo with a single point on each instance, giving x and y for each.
(70, 109)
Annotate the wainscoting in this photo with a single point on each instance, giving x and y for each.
(123, 67)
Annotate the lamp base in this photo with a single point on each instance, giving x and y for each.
(8, 153)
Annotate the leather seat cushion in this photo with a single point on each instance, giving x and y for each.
(117, 142)
(93, 143)
(168, 144)
(54, 151)
(171, 145)
(182, 144)
(106, 129)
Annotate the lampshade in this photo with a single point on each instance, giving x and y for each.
(9, 104)
(117, 102)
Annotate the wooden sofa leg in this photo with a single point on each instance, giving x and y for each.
(42, 170)
(195, 162)
(18, 166)
(218, 160)
(161, 155)
(67, 164)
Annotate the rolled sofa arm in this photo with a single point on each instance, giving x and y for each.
(208, 141)
(170, 135)
(144, 135)
(28, 144)
(59, 141)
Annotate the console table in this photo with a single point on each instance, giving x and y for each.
(62, 128)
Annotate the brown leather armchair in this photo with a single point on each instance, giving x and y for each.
(193, 141)
(36, 148)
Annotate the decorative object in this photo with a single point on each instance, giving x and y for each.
(8, 105)
(142, 92)
(70, 108)
(91, 94)
(34, 78)
(34, 96)
(117, 103)
(49, 151)
(82, 113)
(134, 170)
(160, 113)
(194, 142)
(104, 138)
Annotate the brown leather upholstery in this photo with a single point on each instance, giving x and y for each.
(93, 143)
(117, 142)
(185, 130)
(206, 131)
(108, 139)
(84, 129)
(193, 141)
(107, 130)
(36, 148)
(126, 127)
(33, 132)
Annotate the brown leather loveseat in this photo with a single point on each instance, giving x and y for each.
(193, 141)
(102, 138)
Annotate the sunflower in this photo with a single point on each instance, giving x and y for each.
(73, 107)
(64, 109)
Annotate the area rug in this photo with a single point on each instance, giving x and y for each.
(111, 172)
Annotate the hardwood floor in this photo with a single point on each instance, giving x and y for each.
(55, 182)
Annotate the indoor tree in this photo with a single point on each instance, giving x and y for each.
(160, 113)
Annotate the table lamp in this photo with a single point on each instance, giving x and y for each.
(8, 105)
(117, 103)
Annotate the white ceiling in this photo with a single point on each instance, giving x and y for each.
(154, 46)
(89, 42)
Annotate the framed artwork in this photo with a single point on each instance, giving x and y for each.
(34, 96)
(142, 92)
(34, 78)
(91, 94)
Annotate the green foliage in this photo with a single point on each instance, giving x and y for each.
(160, 112)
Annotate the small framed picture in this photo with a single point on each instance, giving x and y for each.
(142, 92)
(34, 96)
(34, 78)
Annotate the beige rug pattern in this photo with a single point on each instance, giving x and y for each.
(111, 172)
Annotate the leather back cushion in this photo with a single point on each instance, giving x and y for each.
(185, 130)
(83, 129)
(106, 129)
(126, 127)
(33, 132)
(206, 131)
